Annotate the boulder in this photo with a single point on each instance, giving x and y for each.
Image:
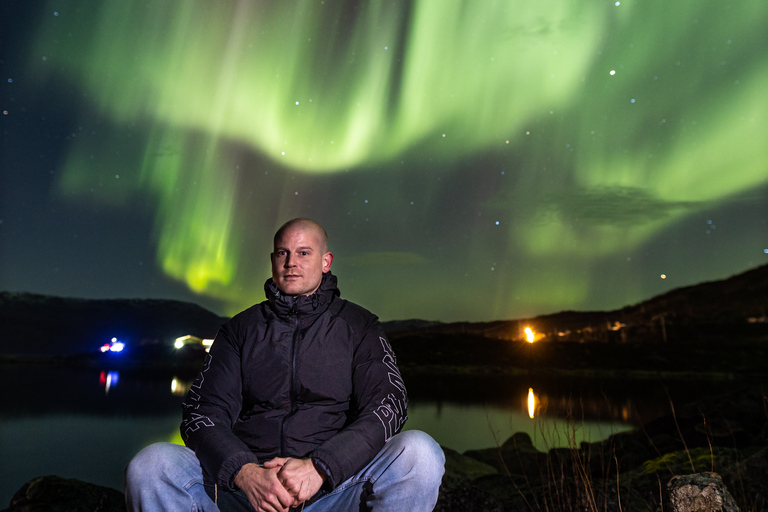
(700, 492)
(457, 491)
(517, 456)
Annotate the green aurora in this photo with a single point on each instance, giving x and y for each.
(471, 160)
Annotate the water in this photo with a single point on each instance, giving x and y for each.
(87, 423)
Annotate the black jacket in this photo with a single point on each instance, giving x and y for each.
(311, 376)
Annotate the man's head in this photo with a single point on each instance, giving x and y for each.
(300, 257)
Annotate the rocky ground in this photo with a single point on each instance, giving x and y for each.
(726, 434)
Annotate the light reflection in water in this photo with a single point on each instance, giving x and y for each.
(180, 387)
(531, 403)
(476, 426)
(108, 379)
(560, 419)
(145, 410)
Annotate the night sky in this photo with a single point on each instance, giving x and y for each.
(470, 160)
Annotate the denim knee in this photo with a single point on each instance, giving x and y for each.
(151, 463)
(165, 476)
(422, 453)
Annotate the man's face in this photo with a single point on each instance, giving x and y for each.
(298, 262)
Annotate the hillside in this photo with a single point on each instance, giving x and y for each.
(45, 325)
(36, 324)
(734, 306)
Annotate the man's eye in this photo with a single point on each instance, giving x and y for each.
(304, 253)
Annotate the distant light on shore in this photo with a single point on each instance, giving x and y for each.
(530, 336)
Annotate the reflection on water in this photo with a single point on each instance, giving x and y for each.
(551, 421)
(180, 387)
(93, 448)
(531, 403)
(108, 379)
(474, 426)
(87, 423)
(463, 427)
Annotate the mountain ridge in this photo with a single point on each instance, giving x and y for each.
(37, 324)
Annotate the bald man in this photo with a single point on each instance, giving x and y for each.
(299, 405)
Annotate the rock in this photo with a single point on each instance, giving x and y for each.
(56, 494)
(465, 468)
(700, 492)
(517, 455)
(466, 498)
(457, 491)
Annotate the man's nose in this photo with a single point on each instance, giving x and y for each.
(288, 261)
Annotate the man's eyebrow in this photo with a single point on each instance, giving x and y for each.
(304, 248)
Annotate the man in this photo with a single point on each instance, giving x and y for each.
(299, 405)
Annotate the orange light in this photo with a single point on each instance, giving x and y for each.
(531, 402)
(530, 336)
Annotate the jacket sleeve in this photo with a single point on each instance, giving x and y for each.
(379, 408)
(210, 410)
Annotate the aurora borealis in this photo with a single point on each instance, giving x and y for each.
(470, 160)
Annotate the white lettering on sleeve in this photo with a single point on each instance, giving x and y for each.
(392, 411)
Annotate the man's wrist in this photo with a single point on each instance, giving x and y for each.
(325, 473)
(236, 481)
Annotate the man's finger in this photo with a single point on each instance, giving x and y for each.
(277, 462)
(281, 495)
(266, 506)
(280, 503)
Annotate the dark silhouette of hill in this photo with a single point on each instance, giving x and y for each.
(735, 306)
(40, 325)
(715, 329)
(393, 326)
(45, 325)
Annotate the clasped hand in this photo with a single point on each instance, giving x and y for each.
(281, 483)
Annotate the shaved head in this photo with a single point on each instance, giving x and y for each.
(307, 224)
(300, 257)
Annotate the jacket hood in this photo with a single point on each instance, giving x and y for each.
(284, 305)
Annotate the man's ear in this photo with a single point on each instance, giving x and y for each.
(327, 260)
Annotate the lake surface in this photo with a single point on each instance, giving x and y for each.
(88, 423)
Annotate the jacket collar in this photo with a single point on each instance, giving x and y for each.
(286, 305)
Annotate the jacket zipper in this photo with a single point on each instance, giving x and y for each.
(294, 340)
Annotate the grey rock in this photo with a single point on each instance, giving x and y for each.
(460, 466)
(700, 492)
(457, 491)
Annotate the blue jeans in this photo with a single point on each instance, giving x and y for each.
(404, 476)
